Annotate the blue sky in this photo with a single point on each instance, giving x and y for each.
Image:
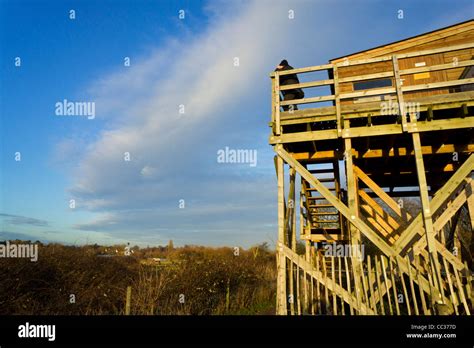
(173, 62)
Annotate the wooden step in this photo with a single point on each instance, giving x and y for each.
(324, 213)
(314, 189)
(330, 230)
(326, 179)
(320, 171)
(321, 237)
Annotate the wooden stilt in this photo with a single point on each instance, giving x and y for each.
(405, 292)
(426, 208)
(451, 287)
(387, 289)
(348, 285)
(343, 312)
(379, 286)
(412, 287)
(394, 286)
(334, 295)
(371, 284)
(281, 283)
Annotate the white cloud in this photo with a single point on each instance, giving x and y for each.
(224, 106)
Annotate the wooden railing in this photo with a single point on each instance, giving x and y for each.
(374, 285)
(394, 72)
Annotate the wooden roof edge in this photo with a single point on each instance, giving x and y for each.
(411, 38)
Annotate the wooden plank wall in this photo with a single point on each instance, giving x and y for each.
(454, 36)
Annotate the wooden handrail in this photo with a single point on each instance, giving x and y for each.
(393, 73)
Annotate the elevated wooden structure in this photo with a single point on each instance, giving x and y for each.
(399, 124)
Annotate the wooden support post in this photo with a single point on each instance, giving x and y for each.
(318, 293)
(426, 209)
(398, 86)
(451, 287)
(468, 282)
(337, 101)
(470, 201)
(273, 92)
(305, 287)
(334, 295)
(394, 286)
(352, 195)
(326, 291)
(405, 292)
(298, 300)
(348, 283)
(281, 282)
(387, 289)
(357, 289)
(461, 292)
(364, 284)
(351, 191)
(371, 284)
(419, 269)
(429, 112)
(276, 101)
(379, 286)
(290, 225)
(412, 288)
(343, 311)
(128, 300)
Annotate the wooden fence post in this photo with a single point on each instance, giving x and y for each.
(128, 300)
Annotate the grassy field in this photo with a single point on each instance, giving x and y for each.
(93, 280)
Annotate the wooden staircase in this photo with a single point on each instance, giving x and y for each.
(323, 220)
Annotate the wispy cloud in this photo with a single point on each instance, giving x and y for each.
(173, 154)
(23, 220)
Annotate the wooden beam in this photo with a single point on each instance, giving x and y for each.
(281, 283)
(346, 62)
(337, 101)
(307, 69)
(438, 199)
(343, 209)
(426, 209)
(392, 152)
(433, 85)
(336, 202)
(308, 100)
(399, 90)
(274, 91)
(325, 281)
(368, 93)
(276, 103)
(307, 84)
(366, 77)
(470, 202)
(382, 194)
(437, 67)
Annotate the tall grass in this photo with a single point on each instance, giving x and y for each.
(194, 281)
